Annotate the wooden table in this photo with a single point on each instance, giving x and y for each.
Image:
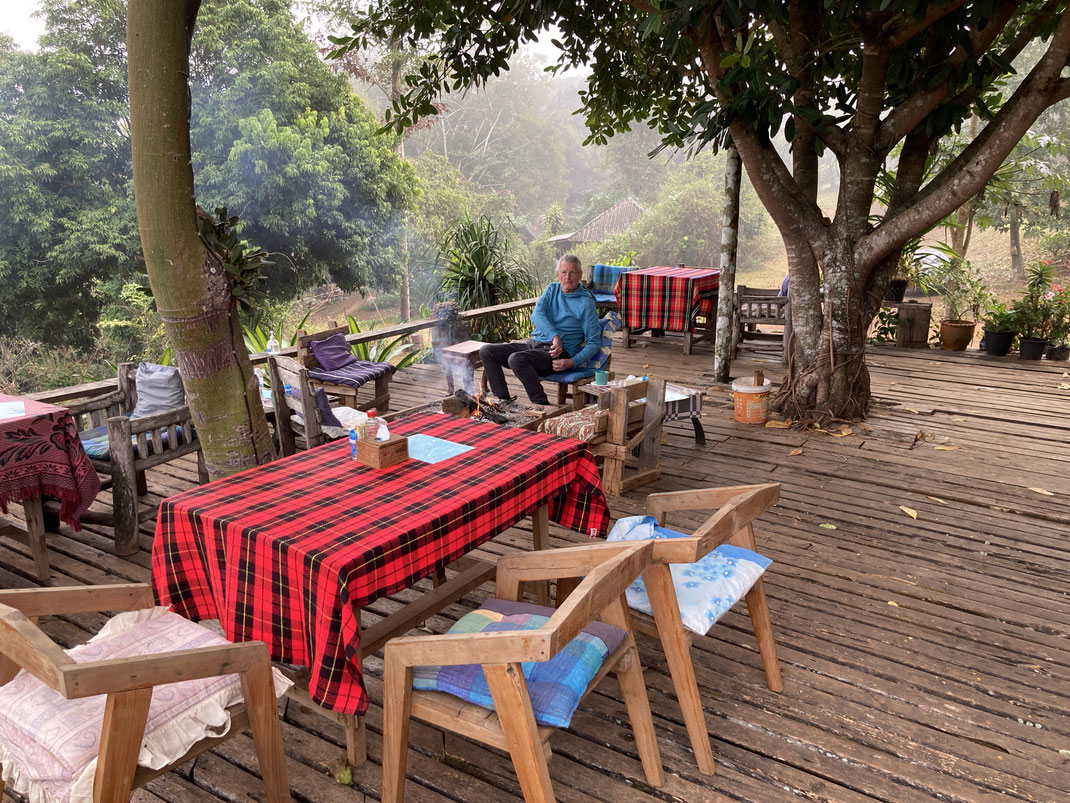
(290, 552)
(668, 299)
(41, 455)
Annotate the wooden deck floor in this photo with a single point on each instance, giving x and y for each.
(922, 659)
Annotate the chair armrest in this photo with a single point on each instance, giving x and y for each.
(457, 649)
(87, 391)
(125, 674)
(34, 602)
(176, 415)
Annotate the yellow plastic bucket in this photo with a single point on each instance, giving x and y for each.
(751, 401)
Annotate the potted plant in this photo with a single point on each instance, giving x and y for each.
(1000, 327)
(917, 268)
(1035, 312)
(964, 296)
(1059, 344)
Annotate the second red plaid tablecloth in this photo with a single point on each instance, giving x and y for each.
(666, 298)
(288, 553)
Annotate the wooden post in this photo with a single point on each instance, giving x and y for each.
(124, 486)
(722, 344)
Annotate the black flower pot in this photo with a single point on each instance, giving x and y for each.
(997, 344)
(1032, 348)
(895, 291)
(1058, 353)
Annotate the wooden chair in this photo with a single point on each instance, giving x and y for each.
(731, 523)
(348, 394)
(511, 725)
(128, 684)
(752, 307)
(134, 445)
(293, 436)
(625, 419)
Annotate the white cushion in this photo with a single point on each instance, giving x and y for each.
(159, 389)
(706, 589)
(49, 745)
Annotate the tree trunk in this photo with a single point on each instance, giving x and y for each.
(191, 289)
(1017, 260)
(722, 348)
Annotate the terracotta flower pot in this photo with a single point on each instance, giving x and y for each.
(956, 335)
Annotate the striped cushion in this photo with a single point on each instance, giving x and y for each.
(555, 686)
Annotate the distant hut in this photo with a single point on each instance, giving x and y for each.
(613, 221)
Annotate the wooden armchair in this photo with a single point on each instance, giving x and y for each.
(511, 723)
(127, 684)
(293, 436)
(348, 393)
(133, 446)
(752, 307)
(625, 419)
(730, 524)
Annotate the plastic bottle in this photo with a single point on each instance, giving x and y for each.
(371, 429)
(265, 394)
(384, 432)
(272, 344)
(353, 443)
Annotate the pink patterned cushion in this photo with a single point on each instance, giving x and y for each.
(579, 424)
(49, 745)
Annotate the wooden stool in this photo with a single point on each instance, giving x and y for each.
(463, 357)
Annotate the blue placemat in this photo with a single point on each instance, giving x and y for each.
(434, 450)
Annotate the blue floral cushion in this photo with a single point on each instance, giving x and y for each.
(706, 589)
(555, 686)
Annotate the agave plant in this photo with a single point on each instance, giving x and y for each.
(256, 336)
(392, 350)
(479, 270)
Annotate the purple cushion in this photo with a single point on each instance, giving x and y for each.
(332, 352)
(327, 416)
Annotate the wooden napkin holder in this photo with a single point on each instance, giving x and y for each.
(383, 454)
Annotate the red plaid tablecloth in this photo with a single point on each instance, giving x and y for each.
(666, 298)
(41, 455)
(289, 552)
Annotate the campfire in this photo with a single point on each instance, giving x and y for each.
(479, 406)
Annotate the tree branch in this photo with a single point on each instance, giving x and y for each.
(965, 176)
(909, 31)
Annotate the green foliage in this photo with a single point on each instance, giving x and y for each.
(885, 326)
(397, 351)
(28, 366)
(258, 331)
(479, 270)
(130, 327)
(242, 262)
(1035, 313)
(997, 318)
(964, 292)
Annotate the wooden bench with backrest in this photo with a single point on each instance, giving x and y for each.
(755, 306)
(96, 703)
(121, 448)
(381, 395)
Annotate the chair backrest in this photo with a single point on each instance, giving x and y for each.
(734, 510)
(761, 305)
(300, 400)
(609, 324)
(604, 277)
(305, 340)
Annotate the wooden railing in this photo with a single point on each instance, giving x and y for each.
(409, 328)
(92, 390)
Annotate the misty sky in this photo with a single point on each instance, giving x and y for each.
(17, 24)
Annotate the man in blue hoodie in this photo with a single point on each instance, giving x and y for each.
(566, 335)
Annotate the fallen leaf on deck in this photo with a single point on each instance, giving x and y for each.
(342, 772)
(946, 448)
(936, 499)
(1065, 373)
(1042, 491)
(893, 603)
(909, 511)
(911, 410)
(841, 433)
(827, 526)
(958, 418)
(794, 452)
(646, 365)
(1065, 752)
(777, 424)
(891, 383)
(1064, 386)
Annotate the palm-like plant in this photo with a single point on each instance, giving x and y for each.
(395, 351)
(479, 270)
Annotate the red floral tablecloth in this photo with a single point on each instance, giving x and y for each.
(41, 455)
(666, 298)
(289, 552)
